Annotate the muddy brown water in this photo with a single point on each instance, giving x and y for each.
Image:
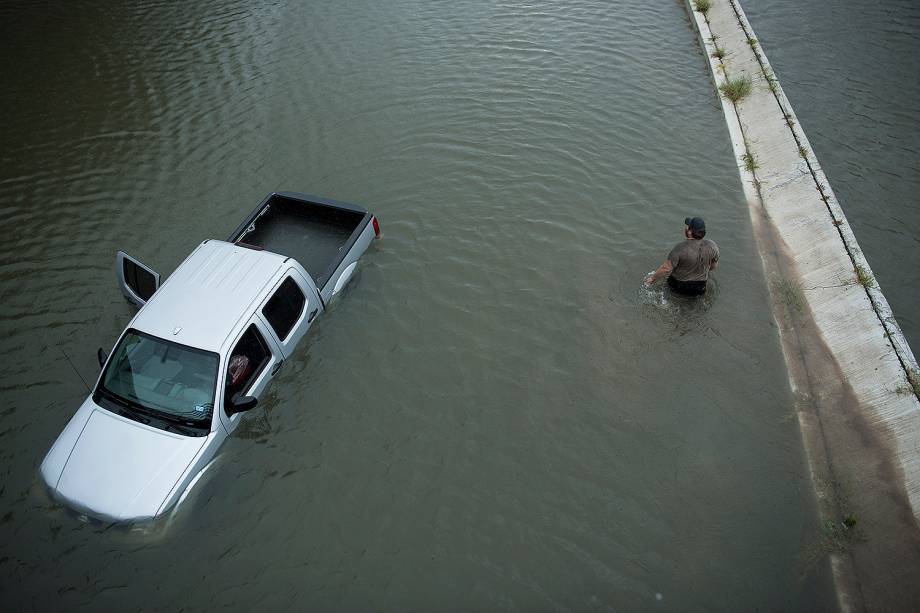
(495, 415)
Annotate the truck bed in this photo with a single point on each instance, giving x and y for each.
(316, 232)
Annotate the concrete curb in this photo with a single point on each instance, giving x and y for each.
(879, 302)
(850, 366)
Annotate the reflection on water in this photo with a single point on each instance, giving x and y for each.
(492, 416)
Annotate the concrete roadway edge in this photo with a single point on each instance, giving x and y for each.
(892, 414)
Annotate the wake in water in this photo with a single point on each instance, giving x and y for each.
(653, 294)
(662, 298)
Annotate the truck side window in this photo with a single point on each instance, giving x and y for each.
(283, 309)
(141, 281)
(247, 360)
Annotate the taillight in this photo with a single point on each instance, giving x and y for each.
(376, 227)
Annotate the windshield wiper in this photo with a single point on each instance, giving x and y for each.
(171, 425)
(133, 415)
(140, 413)
(119, 400)
(187, 424)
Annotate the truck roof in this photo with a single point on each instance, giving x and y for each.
(203, 301)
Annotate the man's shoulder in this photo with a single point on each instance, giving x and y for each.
(711, 246)
(677, 249)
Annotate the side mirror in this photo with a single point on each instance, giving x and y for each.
(103, 356)
(241, 404)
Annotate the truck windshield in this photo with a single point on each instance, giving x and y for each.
(161, 379)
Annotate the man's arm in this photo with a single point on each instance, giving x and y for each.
(663, 271)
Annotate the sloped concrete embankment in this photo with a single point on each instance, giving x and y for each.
(851, 370)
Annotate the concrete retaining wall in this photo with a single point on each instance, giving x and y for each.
(850, 366)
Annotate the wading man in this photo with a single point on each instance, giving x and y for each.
(688, 265)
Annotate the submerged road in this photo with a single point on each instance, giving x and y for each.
(496, 416)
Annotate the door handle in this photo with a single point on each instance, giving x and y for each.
(276, 367)
(312, 315)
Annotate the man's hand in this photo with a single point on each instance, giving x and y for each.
(663, 271)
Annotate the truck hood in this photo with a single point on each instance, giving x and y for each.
(116, 469)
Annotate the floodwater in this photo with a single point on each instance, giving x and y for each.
(495, 415)
(849, 70)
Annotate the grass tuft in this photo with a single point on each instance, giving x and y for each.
(703, 6)
(750, 163)
(753, 43)
(789, 293)
(864, 277)
(841, 529)
(736, 89)
(719, 53)
(803, 152)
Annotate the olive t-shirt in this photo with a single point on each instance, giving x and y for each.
(693, 258)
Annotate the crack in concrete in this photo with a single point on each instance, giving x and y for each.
(852, 434)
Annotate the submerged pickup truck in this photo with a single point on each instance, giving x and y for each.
(199, 352)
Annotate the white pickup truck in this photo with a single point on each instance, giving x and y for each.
(199, 352)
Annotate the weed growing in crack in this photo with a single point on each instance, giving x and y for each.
(864, 277)
(913, 377)
(750, 163)
(703, 6)
(736, 89)
(719, 53)
(913, 383)
(839, 532)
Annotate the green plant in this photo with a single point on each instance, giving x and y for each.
(789, 293)
(913, 377)
(750, 164)
(703, 6)
(772, 83)
(736, 89)
(753, 43)
(719, 53)
(864, 277)
(803, 152)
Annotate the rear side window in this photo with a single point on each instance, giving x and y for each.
(283, 309)
(247, 361)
